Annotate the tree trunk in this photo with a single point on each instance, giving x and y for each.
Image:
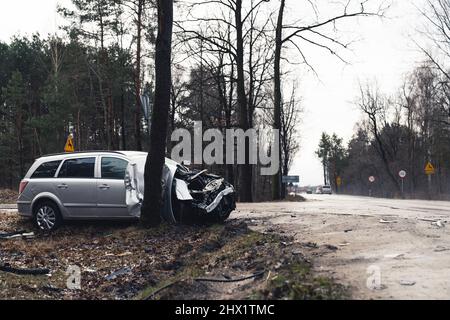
(137, 76)
(245, 170)
(153, 194)
(276, 180)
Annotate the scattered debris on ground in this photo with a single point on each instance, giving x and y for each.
(125, 261)
(388, 221)
(438, 224)
(8, 196)
(16, 235)
(407, 283)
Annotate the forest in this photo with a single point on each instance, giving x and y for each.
(232, 66)
(404, 132)
(95, 79)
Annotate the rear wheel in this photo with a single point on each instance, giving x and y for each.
(47, 216)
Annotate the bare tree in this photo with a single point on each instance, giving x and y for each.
(230, 30)
(315, 34)
(374, 106)
(289, 134)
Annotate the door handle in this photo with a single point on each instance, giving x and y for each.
(63, 186)
(104, 187)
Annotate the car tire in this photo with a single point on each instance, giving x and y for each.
(47, 216)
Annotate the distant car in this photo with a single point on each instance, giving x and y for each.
(109, 185)
(319, 190)
(309, 191)
(326, 190)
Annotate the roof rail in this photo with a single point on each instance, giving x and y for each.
(78, 152)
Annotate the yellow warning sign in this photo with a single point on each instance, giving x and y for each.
(69, 144)
(429, 169)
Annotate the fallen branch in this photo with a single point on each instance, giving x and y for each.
(255, 275)
(19, 271)
(160, 289)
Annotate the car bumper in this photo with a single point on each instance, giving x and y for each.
(24, 209)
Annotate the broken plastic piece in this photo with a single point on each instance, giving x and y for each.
(16, 234)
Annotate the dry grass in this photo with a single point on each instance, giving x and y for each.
(154, 257)
(8, 196)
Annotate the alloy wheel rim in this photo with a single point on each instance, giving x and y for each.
(46, 218)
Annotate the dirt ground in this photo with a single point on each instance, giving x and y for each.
(356, 240)
(124, 261)
(8, 196)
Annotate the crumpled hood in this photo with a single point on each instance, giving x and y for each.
(186, 193)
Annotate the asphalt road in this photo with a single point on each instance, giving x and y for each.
(381, 248)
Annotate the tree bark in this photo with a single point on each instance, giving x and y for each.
(245, 170)
(137, 76)
(153, 194)
(276, 180)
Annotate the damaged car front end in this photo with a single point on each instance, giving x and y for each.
(189, 196)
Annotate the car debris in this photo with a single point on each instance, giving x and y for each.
(407, 283)
(188, 195)
(118, 273)
(24, 271)
(16, 235)
(438, 224)
(388, 221)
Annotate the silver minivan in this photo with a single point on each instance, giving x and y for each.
(109, 185)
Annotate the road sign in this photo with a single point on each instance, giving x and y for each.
(69, 144)
(371, 179)
(291, 179)
(402, 174)
(429, 169)
(339, 181)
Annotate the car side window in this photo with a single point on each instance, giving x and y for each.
(113, 168)
(46, 170)
(77, 168)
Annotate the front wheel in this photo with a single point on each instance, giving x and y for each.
(47, 216)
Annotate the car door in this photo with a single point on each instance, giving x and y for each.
(111, 187)
(76, 186)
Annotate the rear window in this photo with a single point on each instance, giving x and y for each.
(77, 168)
(113, 168)
(46, 170)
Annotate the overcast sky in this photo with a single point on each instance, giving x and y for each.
(385, 53)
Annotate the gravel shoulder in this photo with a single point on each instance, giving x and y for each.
(360, 240)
